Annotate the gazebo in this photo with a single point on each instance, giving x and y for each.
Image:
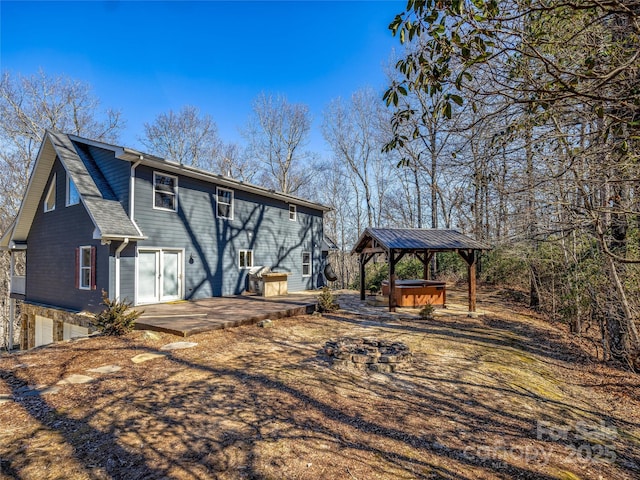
(395, 243)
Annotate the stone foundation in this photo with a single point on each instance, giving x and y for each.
(367, 353)
(59, 318)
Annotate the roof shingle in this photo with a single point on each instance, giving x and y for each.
(107, 214)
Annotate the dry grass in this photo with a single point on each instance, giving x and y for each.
(264, 403)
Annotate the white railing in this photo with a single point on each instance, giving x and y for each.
(18, 284)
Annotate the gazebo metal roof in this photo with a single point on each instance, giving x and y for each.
(416, 239)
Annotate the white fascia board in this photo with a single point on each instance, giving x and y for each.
(98, 235)
(109, 236)
(38, 180)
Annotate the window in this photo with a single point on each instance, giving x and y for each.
(165, 192)
(306, 264)
(292, 213)
(224, 202)
(86, 268)
(50, 200)
(73, 197)
(245, 259)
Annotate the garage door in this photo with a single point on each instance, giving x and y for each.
(44, 331)
(73, 331)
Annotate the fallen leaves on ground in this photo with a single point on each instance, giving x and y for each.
(505, 395)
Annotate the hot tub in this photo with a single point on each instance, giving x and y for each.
(417, 293)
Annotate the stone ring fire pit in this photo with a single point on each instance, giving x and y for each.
(367, 353)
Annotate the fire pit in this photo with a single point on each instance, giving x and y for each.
(367, 353)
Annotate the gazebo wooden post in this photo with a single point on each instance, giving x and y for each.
(362, 263)
(469, 256)
(392, 281)
(472, 284)
(425, 264)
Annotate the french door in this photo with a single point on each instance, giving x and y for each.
(159, 275)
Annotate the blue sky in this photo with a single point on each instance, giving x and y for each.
(145, 58)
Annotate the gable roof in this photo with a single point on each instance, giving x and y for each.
(107, 214)
(416, 239)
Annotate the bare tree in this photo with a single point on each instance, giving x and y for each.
(332, 187)
(276, 134)
(233, 162)
(353, 131)
(29, 105)
(186, 137)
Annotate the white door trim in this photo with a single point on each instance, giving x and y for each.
(159, 266)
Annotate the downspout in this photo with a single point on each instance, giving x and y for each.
(119, 250)
(132, 191)
(125, 242)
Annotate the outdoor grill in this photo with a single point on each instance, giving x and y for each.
(267, 283)
(256, 281)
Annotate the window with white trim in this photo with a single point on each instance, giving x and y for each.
(73, 197)
(50, 199)
(85, 268)
(306, 264)
(292, 213)
(224, 203)
(165, 192)
(245, 259)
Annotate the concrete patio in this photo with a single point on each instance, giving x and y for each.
(186, 318)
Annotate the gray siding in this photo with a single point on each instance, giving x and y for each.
(260, 224)
(115, 171)
(127, 272)
(53, 239)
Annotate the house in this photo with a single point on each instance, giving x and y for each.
(100, 217)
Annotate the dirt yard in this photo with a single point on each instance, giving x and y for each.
(505, 395)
